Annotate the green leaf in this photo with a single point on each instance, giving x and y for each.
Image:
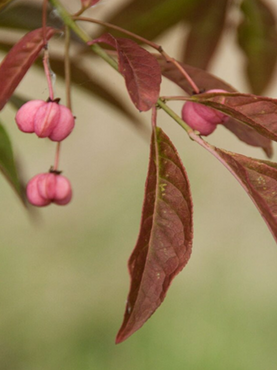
(7, 163)
(207, 25)
(257, 37)
(150, 18)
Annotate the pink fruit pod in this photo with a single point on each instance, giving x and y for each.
(46, 188)
(201, 118)
(46, 119)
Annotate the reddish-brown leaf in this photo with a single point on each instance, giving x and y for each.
(165, 239)
(140, 69)
(257, 37)
(258, 112)
(249, 136)
(207, 25)
(19, 60)
(259, 179)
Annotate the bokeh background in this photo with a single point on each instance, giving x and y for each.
(63, 273)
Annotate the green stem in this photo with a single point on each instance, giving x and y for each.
(66, 17)
(175, 116)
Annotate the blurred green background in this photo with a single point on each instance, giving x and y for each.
(63, 273)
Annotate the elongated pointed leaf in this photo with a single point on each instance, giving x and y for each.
(19, 60)
(257, 37)
(152, 17)
(207, 25)
(258, 112)
(7, 163)
(165, 239)
(259, 179)
(140, 69)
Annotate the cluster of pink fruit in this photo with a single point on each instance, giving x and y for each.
(55, 121)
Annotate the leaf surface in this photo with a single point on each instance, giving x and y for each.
(207, 25)
(140, 69)
(165, 239)
(7, 163)
(19, 60)
(258, 112)
(249, 136)
(257, 37)
(259, 179)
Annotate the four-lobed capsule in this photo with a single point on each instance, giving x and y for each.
(46, 188)
(201, 118)
(46, 119)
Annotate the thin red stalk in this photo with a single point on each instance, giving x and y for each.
(109, 25)
(68, 88)
(46, 54)
(81, 11)
(48, 74)
(154, 117)
(147, 42)
(67, 68)
(44, 20)
(57, 156)
(182, 70)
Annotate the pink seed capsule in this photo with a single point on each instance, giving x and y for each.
(46, 188)
(201, 118)
(46, 119)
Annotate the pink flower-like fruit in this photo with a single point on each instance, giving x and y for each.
(46, 188)
(46, 119)
(201, 118)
